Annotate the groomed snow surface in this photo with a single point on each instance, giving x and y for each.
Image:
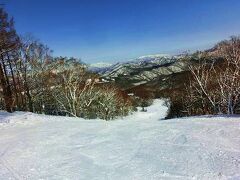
(138, 147)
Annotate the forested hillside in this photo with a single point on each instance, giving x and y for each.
(34, 80)
(31, 79)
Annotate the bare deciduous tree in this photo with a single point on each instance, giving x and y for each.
(229, 76)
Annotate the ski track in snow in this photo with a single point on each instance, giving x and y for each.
(138, 147)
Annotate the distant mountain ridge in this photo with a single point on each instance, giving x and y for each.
(155, 59)
(99, 67)
(142, 70)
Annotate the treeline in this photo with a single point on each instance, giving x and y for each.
(31, 79)
(212, 83)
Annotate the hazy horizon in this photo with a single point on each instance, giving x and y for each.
(114, 30)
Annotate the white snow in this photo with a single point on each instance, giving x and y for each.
(138, 147)
(100, 65)
(155, 56)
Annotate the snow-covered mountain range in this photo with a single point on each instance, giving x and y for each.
(100, 66)
(141, 70)
(139, 60)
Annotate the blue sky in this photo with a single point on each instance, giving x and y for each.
(114, 30)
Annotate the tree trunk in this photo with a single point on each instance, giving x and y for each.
(7, 95)
(14, 81)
